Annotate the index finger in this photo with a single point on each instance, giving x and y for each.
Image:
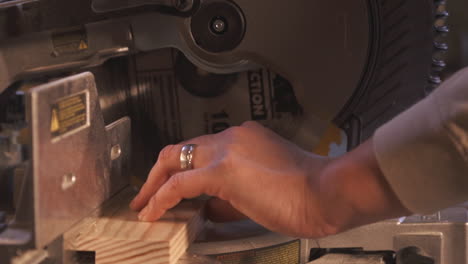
(168, 164)
(184, 185)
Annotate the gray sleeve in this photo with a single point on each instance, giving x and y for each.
(423, 153)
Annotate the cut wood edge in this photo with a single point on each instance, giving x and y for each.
(108, 233)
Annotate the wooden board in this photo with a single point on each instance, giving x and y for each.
(116, 236)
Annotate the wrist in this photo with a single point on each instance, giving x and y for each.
(356, 192)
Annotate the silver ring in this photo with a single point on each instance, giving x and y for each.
(186, 156)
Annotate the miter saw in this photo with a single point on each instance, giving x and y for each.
(91, 90)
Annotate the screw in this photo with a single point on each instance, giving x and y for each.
(219, 25)
(68, 181)
(116, 151)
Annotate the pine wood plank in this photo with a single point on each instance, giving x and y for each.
(116, 235)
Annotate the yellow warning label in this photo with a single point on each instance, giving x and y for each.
(71, 40)
(54, 123)
(288, 253)
(68, 114)
(83, 45)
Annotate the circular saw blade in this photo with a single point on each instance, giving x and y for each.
(404, 65)
(170, 100)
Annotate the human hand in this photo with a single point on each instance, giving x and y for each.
(264, 177)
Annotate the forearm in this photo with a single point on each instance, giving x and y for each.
(416, 163)
(423, 153)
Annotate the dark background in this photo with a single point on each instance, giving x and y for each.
(457, 57)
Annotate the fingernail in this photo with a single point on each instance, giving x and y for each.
(142, 214)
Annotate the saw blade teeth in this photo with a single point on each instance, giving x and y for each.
(440, 3)
(442, 30)
(438, 65)
(440, 46)
(435, 79)
(442, 14)
(434, 82)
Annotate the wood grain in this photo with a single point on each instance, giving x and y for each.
(116, 235)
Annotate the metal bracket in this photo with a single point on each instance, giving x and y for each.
(78, 163)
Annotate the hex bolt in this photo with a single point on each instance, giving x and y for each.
(68, 181)
(115, 152)
(219, 25)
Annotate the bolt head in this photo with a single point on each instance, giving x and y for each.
(218, 26)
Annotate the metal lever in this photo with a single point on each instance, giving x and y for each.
(101, 6)
(11, 3)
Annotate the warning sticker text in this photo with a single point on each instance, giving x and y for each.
(68, 114)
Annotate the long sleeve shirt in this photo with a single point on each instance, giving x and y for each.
(423, 153)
